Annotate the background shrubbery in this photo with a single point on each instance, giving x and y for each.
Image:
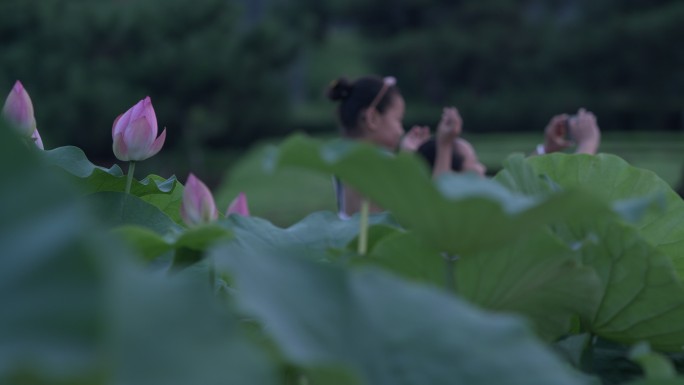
(214, 76)
(226, 73)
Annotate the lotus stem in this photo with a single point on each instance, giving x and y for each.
(129, 179)
(363, 230)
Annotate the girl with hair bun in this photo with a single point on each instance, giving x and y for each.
(371, 109)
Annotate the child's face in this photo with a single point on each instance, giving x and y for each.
(390, 128)
(470, 161)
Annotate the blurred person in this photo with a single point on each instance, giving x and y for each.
(463, 159)
(371, 109)
(562, 132)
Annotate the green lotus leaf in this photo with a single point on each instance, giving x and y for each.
(119, 209)
(642, 296)
(612, 179)
(538, 277)
(317, 232)
(382, 329)
(92, 178)
(77, 309)
(436, 211)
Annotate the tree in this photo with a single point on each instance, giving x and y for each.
(212, 76)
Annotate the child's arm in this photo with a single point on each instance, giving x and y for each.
(413, 139)
(586, 132)
(449, 129)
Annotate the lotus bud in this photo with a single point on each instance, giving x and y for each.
(198, 204)
(37, 140)
(18, 110)
(239, 206)
(135, 133)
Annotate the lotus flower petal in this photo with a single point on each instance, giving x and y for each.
(134, 133)
(115, 131)
(239, 206)
(18, 110)
(148, 112)
(120, 149)
(158, 144)
(198, 204)
(138, 138)
(37, 139)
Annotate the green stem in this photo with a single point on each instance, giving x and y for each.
(129, 180)
(363, 231)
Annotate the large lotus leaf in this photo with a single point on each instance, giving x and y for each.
(94, 178)
(383, 329)
(119, 209)
(147, 243)
(151, 245)
(460, 215)
(317, 232)
(329, 376)
(374, 235)
(405, 254)
(518, 175)
(50, 285)
(537, 277)
(642, 296)
(201, 237)
(168, 202)
(613, 179)
(166, 194)
(170, 330)
(74, 311)
(48, 282)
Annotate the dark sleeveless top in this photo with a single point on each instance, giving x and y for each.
(339, 195)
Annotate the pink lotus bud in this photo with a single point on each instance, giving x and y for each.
(135, 133)
(239, 206)
(198, 204)
(36, 139)
(18, 110)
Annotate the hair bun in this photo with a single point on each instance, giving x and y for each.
(339, 89)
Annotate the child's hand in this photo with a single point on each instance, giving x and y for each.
(450, 127)
(555, 134)
(586, 132)
(416, 136)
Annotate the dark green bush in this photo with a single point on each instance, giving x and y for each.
(510, 65)
(215, 74)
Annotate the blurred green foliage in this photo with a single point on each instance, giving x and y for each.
(213, 75)
(288, 195)
(224, 74)
(510, 65)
